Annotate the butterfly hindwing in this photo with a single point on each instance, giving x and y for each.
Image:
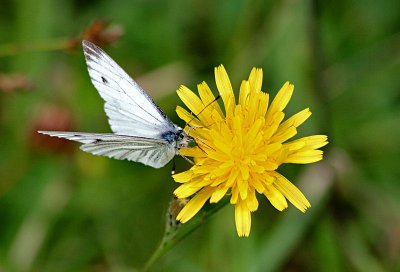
(152, 152)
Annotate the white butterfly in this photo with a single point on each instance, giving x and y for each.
(142, 131)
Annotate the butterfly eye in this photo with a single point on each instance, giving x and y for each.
(181, 135)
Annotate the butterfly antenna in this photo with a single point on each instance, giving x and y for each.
(196, 115)
(201, 141)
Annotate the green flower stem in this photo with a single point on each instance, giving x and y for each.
(169, 240)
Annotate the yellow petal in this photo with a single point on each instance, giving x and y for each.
(194, 205)
(304, 157)
(251, 200)
(303, 150)
(242, 219)
(313, 142)
(219, 193)
(255, 79)
(285, 135)
(291, 192)
(192, 152)
(272, 148)
(256, 182)
(244, 93)
(205, 168)
(257, 101)
(270, 165)
(294, 145)
(242, 187)
(272, 123)
(238, 121)
(225, 88)
(275, 198)
(232, 178)
(287, 129)
(186, 190)
(207, 96)
(183, 176)
(235, 195)
(254, 130)
(218, 155)
(221, 171)
(262, 105)
(187, 117)
(280, 156)
(296, 120)
(281, 99)
(191, 100)
(244, 170)
(224, 146)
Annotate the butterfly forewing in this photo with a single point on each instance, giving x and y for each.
(129, 109)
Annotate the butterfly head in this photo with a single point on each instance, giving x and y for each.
(182, 139)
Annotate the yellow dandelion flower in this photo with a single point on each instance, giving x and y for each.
(239, 151)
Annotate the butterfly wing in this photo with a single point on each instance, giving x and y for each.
(152, 152)
(129, 109)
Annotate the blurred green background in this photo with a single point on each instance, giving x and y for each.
(65, 210)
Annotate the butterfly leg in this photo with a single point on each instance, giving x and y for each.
(186, 158)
